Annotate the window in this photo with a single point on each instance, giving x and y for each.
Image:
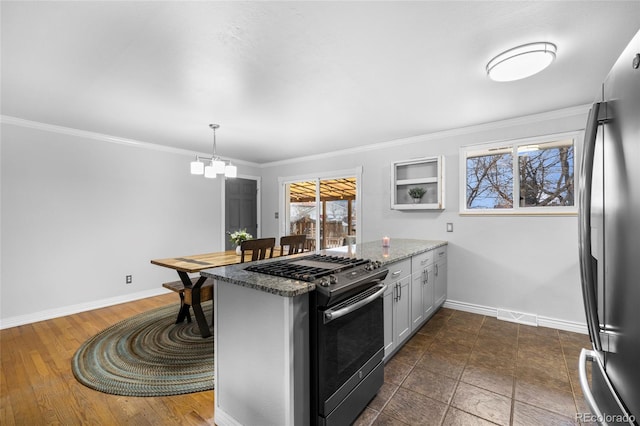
(532, 176)
(323, 208)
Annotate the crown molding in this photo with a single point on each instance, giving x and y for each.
(528, 119)
(511, 122)
(5, 119)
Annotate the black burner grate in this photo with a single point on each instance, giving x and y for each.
(308, 268)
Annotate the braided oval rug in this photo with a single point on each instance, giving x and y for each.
(147, 355)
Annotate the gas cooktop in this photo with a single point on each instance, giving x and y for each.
(308, 268)
(333, 275)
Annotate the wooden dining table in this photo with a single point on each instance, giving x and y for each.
(186, 265)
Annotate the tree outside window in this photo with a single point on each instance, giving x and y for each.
(520, 177)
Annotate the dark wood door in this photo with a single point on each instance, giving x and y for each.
(240, 207)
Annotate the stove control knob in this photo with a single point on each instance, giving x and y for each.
(333, 279)
(324, 282)
(372, 265)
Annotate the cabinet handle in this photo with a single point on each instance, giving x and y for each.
(436, 269)
(396, 273)
(426, 273)
(423, 261)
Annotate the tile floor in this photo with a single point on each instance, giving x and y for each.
(467, 369)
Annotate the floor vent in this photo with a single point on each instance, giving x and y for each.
(519, 317)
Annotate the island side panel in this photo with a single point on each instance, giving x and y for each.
(261, 357)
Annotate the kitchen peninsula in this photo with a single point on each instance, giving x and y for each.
(261, 327)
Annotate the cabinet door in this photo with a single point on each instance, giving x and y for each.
(440, 290)
(389, 294)
(441, 283)
(402, 311)
(395, 324)
(417, 282)
(427, 292)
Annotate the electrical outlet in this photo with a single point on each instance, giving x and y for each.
(129, 279)
(277, 215)
(449, 227)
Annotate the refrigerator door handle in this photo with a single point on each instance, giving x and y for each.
(584, 382)
(600, 417)
(587, 261)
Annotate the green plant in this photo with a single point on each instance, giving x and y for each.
(417, 192)
(240, 236)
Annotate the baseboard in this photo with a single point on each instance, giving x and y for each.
(558, 324)
(74, 309)
(223, 419)
(576, 327)
(469, 307)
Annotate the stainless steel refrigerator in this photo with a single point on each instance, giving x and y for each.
(610, 246)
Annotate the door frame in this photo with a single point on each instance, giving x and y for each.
(223, 214)
(334, 174)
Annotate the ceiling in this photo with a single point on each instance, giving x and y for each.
(292, 79)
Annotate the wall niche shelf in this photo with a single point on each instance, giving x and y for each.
(426, 173)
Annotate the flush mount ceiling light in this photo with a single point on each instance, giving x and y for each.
(216, 165)
(522, 61)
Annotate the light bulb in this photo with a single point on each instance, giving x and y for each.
(197, 168)
(231, 171)
(210, 172)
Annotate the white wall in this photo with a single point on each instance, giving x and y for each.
(525, 264)
(79, 213)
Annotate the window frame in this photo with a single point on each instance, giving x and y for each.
(512, 145)
(283, 198)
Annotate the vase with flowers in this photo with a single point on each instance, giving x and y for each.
(238, 237)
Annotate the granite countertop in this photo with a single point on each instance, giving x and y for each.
(399, 249)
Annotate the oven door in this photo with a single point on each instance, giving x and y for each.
(350, 345)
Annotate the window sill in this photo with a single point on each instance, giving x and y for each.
(518, 213)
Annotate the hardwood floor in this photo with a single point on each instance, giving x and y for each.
(37, 386)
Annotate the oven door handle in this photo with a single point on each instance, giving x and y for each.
(331, 315)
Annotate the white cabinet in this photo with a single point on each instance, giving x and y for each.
(422, 284)
(416, 287)
(411, 175)
(402, 317)
(440, 272)
(397, 308)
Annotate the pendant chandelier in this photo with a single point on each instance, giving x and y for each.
(216, 165)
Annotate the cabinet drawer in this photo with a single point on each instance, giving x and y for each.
(398, 270)
(422, 260)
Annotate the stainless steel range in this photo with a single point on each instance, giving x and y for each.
(346, 331)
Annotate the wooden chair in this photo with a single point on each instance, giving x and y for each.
(295, 243)
(259, 248)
